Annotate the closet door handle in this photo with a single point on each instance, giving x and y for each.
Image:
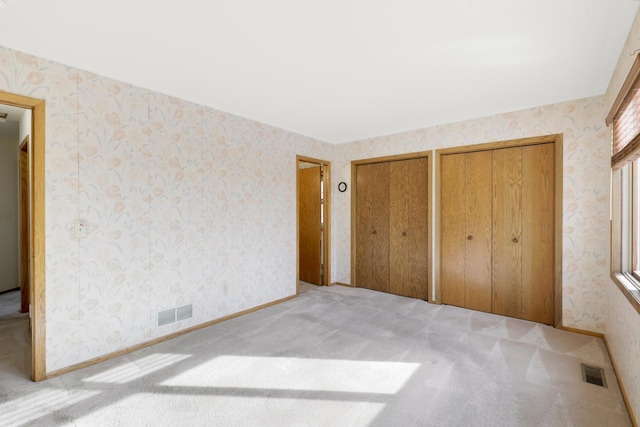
(375, 232)
(515, 240)
(469, 237)
(404, 233)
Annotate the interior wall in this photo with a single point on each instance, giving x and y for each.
(154, 202)
(9, 267)
(25, 125)
(585, 231)
(623, 321)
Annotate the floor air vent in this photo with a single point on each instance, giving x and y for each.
(593, 375)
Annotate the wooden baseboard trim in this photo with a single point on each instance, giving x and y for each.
(582, 331)
(343, 284)
(622, 390)
(158, 340)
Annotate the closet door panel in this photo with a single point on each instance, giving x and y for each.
(453, 229)
(372, 226)
(538, 233)
(408, 236)
(477, 262)
(507, 231)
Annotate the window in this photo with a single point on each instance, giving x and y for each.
(624, 120)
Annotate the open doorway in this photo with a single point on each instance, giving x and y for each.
(15, 235)
(22, 218)
(313, 220)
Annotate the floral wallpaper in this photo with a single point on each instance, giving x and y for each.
(623, 321)
(184, 204)
(180, 204)
(585, 181)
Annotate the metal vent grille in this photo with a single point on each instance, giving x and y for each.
(593, 375)
(184, 312)
(166, 316)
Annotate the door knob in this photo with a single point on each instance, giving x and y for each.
(404, 233)
(469, 237)
(375, 232)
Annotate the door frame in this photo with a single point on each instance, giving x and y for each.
(326, 206)
(397, 157)
(555, 139)
(37, 223)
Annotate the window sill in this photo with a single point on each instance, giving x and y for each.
(629, 288)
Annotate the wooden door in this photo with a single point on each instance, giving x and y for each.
(309, 199)
(478, 229)
(507, 232)
(466, 230)
(25, 221)
(538, 245)
(523, 232)
(453, 229)
(372, 226)
(408, 235)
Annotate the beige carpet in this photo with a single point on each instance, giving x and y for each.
(10, 304)
(332, 357)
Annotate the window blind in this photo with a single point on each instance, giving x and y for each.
(625, 117)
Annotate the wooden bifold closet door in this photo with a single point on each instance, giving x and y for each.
(497, 231)
(466, 230)
(392, 227)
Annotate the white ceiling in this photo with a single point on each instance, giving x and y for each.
(337, 70)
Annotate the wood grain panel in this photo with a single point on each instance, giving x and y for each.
(507, 232)
(372, 226)
(538, 211)
(478, 179)
(452, 229)
(408, 217)
(309, 224)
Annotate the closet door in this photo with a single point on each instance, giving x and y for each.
(408, 236)
(538, 233)
(453, 229)
(507, 232)
(523, 232)
(372, 226)
(466, 230)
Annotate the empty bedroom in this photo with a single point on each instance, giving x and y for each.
(348, 213)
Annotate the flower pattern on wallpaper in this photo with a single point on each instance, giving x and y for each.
(181, 203)
(623, 321)
(585, 190)
(186, 204)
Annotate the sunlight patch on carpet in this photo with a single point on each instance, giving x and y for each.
(137, 369)
(288, 373)
(19, 411)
